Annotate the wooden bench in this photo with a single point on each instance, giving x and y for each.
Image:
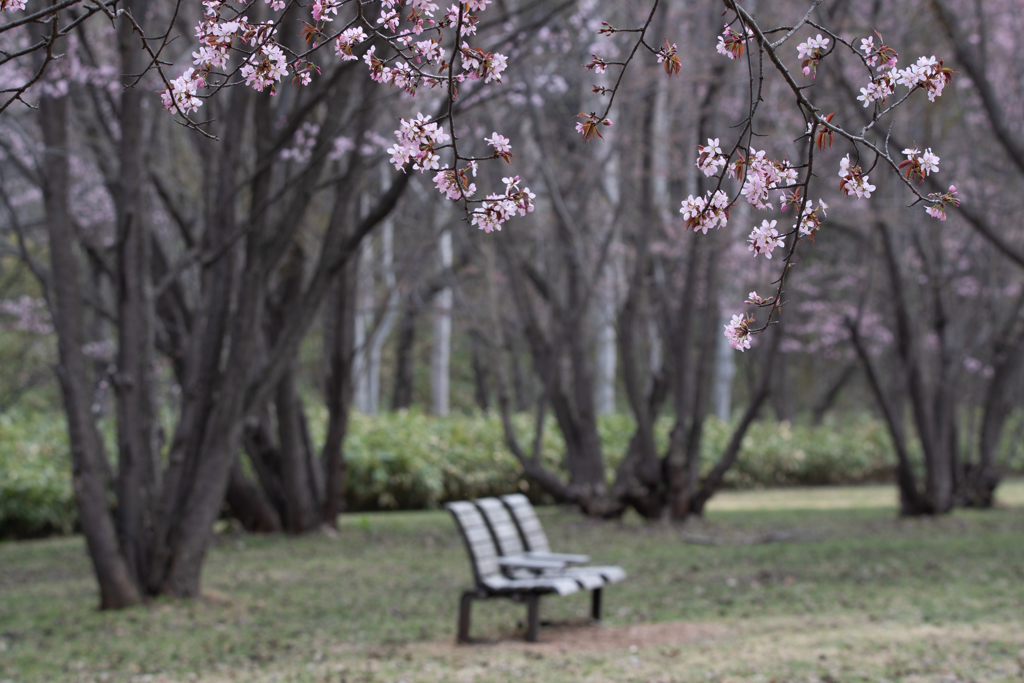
(502, 567)
(491, 582)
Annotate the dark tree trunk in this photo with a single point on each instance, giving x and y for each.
(117, 585)
(340, 351)
(480, 373)
(138, 454)
(248, 505)
(297, 478)
(401, 396)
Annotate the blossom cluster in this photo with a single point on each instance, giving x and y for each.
(11, 5)
(349, 39)
(937, 209)
(710, 159)
(852, 180)
(764, 239)
(498, 208)
(884, 57)
(267, 63)
(927, 73)
(502, 146)
(703, 213)
(810, 221)
(417, 141)
(731, 44)
(755, 299)
(738, 331)
(597, 65)
(762, 174)
(919, 164)
(811, 51)
(456, 184)
(263, 67)
(183, 93)
(478, 63)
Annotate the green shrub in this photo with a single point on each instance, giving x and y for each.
(35, 475)
(780, 454)
(408, 460)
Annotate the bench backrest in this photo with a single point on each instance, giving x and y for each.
(483, 556)
(529, 526)
(506, 533)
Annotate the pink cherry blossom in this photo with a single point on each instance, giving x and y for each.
(937, 209)
(454, 185)
(764, 239)
(811, 51)
(738, 332)
(852, 180)
(710, 159)
(703, 213)
(349, 39)
(731, 44)
(183, 92)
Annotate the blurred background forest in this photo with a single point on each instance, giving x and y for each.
(570, 355)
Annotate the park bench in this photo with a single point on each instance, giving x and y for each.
(491, 582)
(515, 575)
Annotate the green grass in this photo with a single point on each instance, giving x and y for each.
(851, 593)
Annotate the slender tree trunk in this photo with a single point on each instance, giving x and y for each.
(440, 358)
(401, 396)
(298, 480)
(117, 585)
(138, 456)
(480, 373)
(363, 329)
(340, 351)
(387, 321)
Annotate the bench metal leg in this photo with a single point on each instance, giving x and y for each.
(532, 617)
(465, 603)
(595, 604)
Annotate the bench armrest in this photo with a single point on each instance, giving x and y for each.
(520, 562)
(565, 558)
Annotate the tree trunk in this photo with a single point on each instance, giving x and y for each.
(480, 391)
(440, 357)
(401, 396)
(117, 585)
(339, 350)
(138, 453)
(248, 505)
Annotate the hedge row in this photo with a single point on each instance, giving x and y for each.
(408, 460)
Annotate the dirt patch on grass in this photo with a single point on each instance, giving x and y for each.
(589, 637)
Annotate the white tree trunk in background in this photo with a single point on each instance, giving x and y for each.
(725, 355)
(383, 331)
(370, 335)
(363, 327)
(661, 131)
(609, 280)
(440, 357)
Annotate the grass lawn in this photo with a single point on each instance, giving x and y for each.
(802, 585)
